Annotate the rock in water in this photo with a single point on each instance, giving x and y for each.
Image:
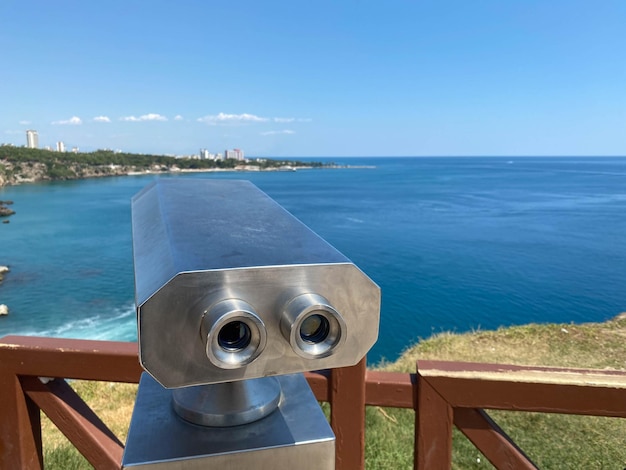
(4, 310)
(5, 211)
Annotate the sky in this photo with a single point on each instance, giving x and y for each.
(317, 78)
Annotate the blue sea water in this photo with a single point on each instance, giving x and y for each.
(455, 243)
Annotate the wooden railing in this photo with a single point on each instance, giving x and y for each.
(443, 394)
(458, 392)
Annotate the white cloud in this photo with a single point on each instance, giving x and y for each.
(286, 131)
(291, 119)
(102, 119)
(73, 121)
(144, 117)
(25, 123)
(178, 117)
(11, 132)
(232, 118)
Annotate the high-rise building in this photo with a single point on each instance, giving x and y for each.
(235, 154)
(32, 139)
(60, 146)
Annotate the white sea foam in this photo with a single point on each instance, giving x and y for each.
(117, 325)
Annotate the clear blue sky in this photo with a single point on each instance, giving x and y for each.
(317, 78)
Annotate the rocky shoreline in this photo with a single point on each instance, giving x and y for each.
(4, 310)
(32, 172)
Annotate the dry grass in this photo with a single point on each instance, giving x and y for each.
(552, 441)
(112, 402)
(590, 345)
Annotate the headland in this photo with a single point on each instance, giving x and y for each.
(27, 165)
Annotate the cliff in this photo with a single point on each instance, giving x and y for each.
(12, 173)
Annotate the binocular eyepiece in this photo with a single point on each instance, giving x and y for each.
(234, 334)
(312, 326)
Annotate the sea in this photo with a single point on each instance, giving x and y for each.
(455, 244)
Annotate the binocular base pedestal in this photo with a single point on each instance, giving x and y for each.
(295, 435)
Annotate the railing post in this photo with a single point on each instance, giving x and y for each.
(433, 428)
(347, 415)
(20, 425)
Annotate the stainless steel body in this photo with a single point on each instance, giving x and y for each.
(295, 435)
(230, 286)
(229, 403)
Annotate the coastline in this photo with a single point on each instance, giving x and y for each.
(37, 174)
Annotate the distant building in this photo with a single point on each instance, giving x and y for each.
(32, 139)
(60, 147)
(235, 154)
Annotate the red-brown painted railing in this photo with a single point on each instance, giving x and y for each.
(23, 360)
(22, 394)
(458, 392)
(442, 393)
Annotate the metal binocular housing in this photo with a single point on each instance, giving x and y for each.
(230, 286)
(234, 298)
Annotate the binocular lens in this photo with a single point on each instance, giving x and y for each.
(234, 336)
(314, 329)
(312, 326)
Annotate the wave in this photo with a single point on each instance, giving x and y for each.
(118, 325)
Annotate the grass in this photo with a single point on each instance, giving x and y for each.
(112, 402)
(592, 345)
(551, 441)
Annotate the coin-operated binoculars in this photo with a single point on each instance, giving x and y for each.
(235, 298)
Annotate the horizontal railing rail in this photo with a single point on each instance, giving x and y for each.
(443, 394)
